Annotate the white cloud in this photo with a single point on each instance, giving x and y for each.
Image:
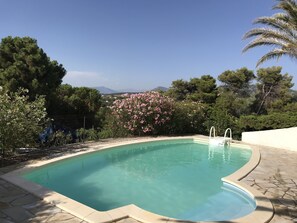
(85, 78)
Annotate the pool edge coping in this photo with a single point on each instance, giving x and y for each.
(262, 214)
(264, 209)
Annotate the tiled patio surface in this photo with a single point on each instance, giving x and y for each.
(275, 176)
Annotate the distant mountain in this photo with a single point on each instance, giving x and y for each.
(105, 90)
(130, 90)
(160, 88)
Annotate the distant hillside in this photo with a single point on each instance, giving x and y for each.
(130, 90)
(160, 88)
(105, 90)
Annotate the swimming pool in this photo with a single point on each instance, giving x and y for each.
(175, 178)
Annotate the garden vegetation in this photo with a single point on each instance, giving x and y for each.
(62, 114)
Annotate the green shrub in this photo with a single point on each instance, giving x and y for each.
(87, 135)
(106, 133)
(58, 138)
(188, 118)
(265, 122)
(92, 135)
(21, 120)
(112, 128)
(220, 119)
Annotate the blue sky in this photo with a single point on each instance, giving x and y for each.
(140, 44)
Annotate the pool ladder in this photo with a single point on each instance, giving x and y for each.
(220, 141)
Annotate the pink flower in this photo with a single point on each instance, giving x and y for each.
(144, 112)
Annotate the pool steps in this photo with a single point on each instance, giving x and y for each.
(219, 141)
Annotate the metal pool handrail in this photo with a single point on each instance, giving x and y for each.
(229, 139)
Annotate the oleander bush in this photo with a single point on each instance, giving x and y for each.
(144, 113)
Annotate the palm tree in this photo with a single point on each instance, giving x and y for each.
(280, 32)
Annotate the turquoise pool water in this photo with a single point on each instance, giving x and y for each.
(174, 178)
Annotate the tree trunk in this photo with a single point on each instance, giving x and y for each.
(264, 98)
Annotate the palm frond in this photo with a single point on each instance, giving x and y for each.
(282, 16)
(276, 22)
(262, 41)
(289, 6)
(274, 54)
(281, 32)
(282, 2)
(271, 33)
(287, 19)
(292, 50)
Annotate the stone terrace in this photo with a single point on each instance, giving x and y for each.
(275, 176)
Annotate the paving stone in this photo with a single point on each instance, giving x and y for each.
(287, 217)
(251, 184)
(249, 179)
(9, 191)
(72, 220)
(61, 217)
(276, 191)
(289, 202)
(17, 214)
(2, 215)
(263, 191)
(291, 185)
(267, 185)
(38, 219)
(279, 219)
(2, 189)
(4, 220)
(293, 212)
(10, 198)
(288, 181)
(127, 220)
(10, 187)
(281, 209)
(2, 181)
(271, 196)
(27, 199)
(3, 205)
(291, 193)
(288, 196)
(43, 209)
(256, 186)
